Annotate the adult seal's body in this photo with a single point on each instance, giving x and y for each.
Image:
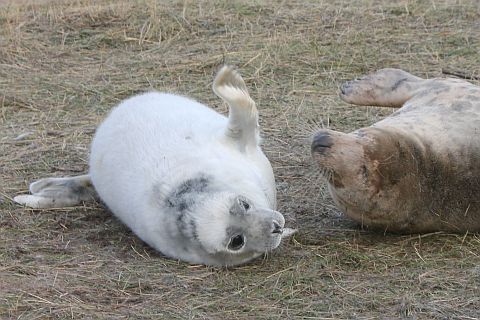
(417, 170)
(188, 181)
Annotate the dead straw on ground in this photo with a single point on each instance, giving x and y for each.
(64, 64)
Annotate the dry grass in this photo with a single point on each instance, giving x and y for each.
(64, 64)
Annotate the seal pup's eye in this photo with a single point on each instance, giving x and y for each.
(244, 204)
(240, 206)
(236, 242)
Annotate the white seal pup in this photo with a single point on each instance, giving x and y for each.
(418, 170)
(189, 182)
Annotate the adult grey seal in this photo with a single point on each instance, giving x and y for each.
(418, 170)
(188, 181)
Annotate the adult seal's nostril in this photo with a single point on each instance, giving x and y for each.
(321, 142)
(277, 228)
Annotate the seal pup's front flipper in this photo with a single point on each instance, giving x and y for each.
(58, 192)
(242, 125)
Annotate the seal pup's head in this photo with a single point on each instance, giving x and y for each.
(222, 228)
(234, 230)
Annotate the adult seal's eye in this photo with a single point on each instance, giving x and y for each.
(236, 242)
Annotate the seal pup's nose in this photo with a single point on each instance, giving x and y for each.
(277, 228)
(322, 141)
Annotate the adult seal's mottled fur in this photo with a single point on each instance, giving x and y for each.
(417, 170)
(191, 183)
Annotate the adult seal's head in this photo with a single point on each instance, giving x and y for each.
(417, 170)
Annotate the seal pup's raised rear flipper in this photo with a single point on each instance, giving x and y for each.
(242, 125)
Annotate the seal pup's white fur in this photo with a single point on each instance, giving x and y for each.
(188, 181)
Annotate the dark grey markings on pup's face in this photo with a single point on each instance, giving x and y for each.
(183, 198)
(186, 194)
